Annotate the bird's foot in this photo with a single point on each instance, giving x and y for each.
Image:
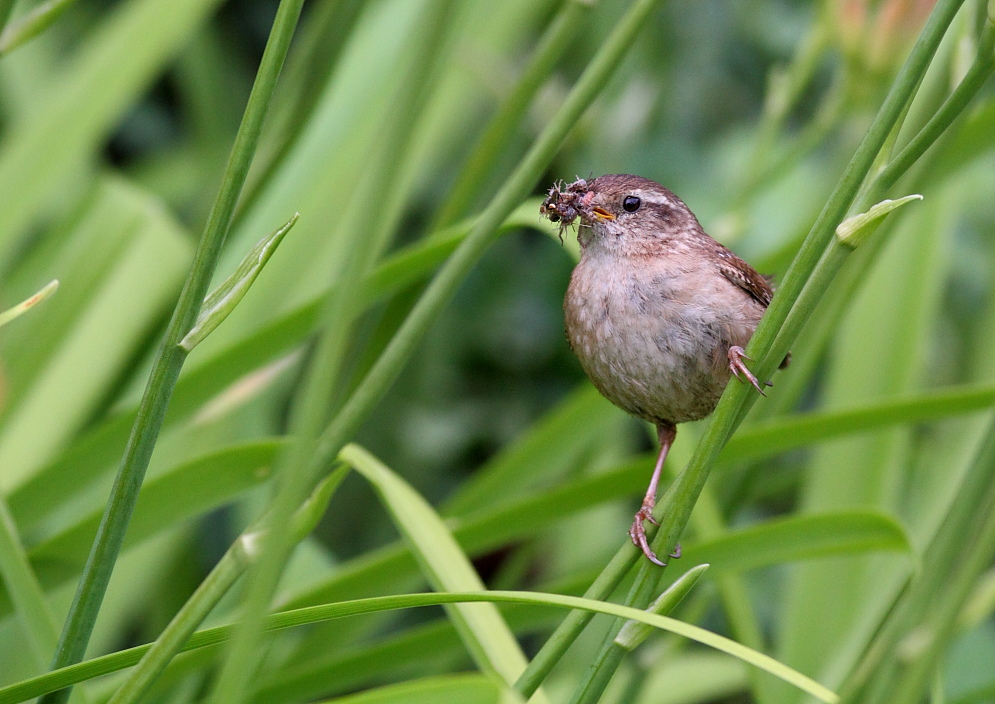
(740, 370)
(638, 534)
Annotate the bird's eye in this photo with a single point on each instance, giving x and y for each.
(630, 204)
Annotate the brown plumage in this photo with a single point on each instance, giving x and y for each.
(657, 312)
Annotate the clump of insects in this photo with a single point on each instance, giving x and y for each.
(565, 202)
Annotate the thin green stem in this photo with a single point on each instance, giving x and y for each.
(832, 309)
(389, 365)
(506, 121)
(368, 233)
(242, 553)
(170, 358)
(566, 633)
(766, 346)
(976, 76)
(961, 547)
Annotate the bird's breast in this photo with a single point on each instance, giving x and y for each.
(654, 339)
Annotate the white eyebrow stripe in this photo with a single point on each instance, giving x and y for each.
(653, 198)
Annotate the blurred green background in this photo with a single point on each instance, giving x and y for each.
(115, 124)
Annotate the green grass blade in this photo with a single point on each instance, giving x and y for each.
(166, 368)
(188, 489)
(784, 540)
(773, 437)
(21, 691)
(84, 103)
(221, 578)
(445, 565)
(737, 551)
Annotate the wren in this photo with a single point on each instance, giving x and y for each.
(657, 312)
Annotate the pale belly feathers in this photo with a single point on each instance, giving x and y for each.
(655, 341)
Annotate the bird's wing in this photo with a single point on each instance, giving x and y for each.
(744, 276)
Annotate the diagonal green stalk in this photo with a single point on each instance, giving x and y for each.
(236, 560)
(368, 234)
(676, 507)
(831, 311)
(959, 551)
(976, 76)
(506, 121)
(169, 360)
(388, 366)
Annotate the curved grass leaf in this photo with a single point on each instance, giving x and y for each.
(811, 537)
(433, 646)
(222, 475)
(773, 437)
(83, 104)
(89, 669)
(186, 490)
(445, 565)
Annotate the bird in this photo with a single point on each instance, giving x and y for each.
(657, 312)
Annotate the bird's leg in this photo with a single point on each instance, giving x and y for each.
(736, 366)
(666, 432)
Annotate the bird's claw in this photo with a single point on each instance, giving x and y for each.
(638, 534)
(740, 370)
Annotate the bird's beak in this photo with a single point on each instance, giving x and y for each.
(602, 213)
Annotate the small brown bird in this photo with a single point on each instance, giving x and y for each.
(657, 311)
